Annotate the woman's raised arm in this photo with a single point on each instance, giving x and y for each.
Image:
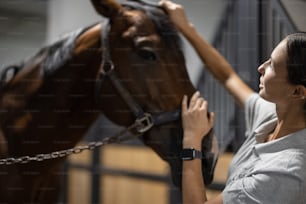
(214, 61)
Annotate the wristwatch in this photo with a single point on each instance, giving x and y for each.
(190, 154)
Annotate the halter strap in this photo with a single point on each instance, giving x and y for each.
(107, 69)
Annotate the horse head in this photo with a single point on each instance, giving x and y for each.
(145, 53)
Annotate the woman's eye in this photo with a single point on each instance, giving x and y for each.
(147, 54)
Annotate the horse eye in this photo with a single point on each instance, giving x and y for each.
(147, 54)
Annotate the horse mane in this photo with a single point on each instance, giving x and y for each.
(61, 51)
(57, 54)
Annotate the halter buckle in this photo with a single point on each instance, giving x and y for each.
(107, 67)
(144, 123)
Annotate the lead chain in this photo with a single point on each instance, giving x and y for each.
(76, 150)
(52, 155)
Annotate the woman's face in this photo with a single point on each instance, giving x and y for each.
(274, 85)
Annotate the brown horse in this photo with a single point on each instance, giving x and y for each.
(135, 70)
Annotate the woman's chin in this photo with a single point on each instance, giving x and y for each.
(262, 94)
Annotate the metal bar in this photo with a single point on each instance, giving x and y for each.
(64, 184)
(120, 172)
(95, 177)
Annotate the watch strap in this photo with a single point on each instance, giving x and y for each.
(190, 154)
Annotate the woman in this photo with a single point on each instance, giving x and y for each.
(270, 166)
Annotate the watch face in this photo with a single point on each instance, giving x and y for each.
(190, 154)
(187, 154)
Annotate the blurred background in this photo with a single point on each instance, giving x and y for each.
(244, 31)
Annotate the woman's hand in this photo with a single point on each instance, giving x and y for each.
(196, 123)
(176, 13)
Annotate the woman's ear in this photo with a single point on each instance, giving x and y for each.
(299, 92)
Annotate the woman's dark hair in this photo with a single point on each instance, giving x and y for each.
(296, 61)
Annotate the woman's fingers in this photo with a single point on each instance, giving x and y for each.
(196, 120)
(204, 104)
(184, 104)
(176, 14)
(170, 6)
(194, 98)
(211, 115)
(199, 103)
(212, 118)
(196, 102)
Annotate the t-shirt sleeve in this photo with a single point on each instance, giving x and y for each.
(263, 189)
(257, 111)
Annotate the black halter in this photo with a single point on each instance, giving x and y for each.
(107, 69)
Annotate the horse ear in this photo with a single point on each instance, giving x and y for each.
(107, 8)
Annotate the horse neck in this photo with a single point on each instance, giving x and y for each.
(86, 62)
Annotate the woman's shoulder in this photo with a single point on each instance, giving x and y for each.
(255, 102)
(258, 111)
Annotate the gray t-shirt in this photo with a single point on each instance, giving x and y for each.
(267, 172)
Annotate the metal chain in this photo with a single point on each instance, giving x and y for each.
(117, 138)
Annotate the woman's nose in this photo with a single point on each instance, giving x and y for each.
(261, 68)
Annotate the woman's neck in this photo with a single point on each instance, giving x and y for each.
(291, 118)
